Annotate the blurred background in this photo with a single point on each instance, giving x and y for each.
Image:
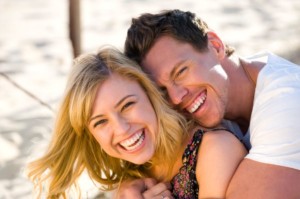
(36, 55)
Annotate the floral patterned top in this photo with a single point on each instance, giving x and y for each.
(184, 184)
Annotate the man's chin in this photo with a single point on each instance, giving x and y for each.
(208, 124)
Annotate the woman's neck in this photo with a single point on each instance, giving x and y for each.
(159, 171)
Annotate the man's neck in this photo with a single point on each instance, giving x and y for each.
(243, 76)
(243, 124)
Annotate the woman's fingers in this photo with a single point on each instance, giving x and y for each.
(159, 191)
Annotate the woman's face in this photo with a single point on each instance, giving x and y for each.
(123, 120)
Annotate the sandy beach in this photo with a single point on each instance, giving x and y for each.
(36, 56)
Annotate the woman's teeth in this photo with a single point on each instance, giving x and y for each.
(133, 142)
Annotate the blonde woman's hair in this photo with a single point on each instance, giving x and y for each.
(73, 148)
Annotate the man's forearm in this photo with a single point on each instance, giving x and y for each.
(258, 180)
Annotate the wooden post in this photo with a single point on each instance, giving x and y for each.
(75, 26)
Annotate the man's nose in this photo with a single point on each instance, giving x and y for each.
(177, 93)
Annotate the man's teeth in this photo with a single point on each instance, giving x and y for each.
(133, 142)
(197, 104)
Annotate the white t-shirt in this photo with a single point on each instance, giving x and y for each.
(275, 120)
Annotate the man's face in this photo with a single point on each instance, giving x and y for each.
(195, 81)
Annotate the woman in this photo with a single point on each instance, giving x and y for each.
(115, 123)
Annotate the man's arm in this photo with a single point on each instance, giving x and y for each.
(259, 180)
(272, 168)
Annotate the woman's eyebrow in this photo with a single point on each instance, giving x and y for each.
(122, 100)
(118, 104)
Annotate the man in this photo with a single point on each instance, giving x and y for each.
(205, 80)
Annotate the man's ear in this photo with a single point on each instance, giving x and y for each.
(216, 43)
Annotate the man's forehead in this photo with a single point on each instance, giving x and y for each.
(162, 58)
(160, 75)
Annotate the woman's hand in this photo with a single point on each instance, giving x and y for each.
(146, 188)
(160, 190)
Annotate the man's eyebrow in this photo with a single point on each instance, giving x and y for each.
(118, 104)
(176, 66)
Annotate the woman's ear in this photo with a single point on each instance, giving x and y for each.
(216, 43)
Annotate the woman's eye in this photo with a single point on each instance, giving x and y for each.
(100, 122)
(127, 105)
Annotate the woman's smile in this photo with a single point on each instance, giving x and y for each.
(132, 143)
(123, 120)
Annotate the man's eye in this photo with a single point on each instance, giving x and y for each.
(100, 122)
(181, 71)
(127, 105)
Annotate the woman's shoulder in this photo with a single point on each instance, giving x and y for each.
(219, 138)
(215, 134)
(219, 154)
(214, 140)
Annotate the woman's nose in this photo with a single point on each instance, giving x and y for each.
(121, 125)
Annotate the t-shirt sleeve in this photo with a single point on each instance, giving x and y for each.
(275, 120)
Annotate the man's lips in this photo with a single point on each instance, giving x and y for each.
(197, 103)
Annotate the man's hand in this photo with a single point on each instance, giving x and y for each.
(147, 188)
